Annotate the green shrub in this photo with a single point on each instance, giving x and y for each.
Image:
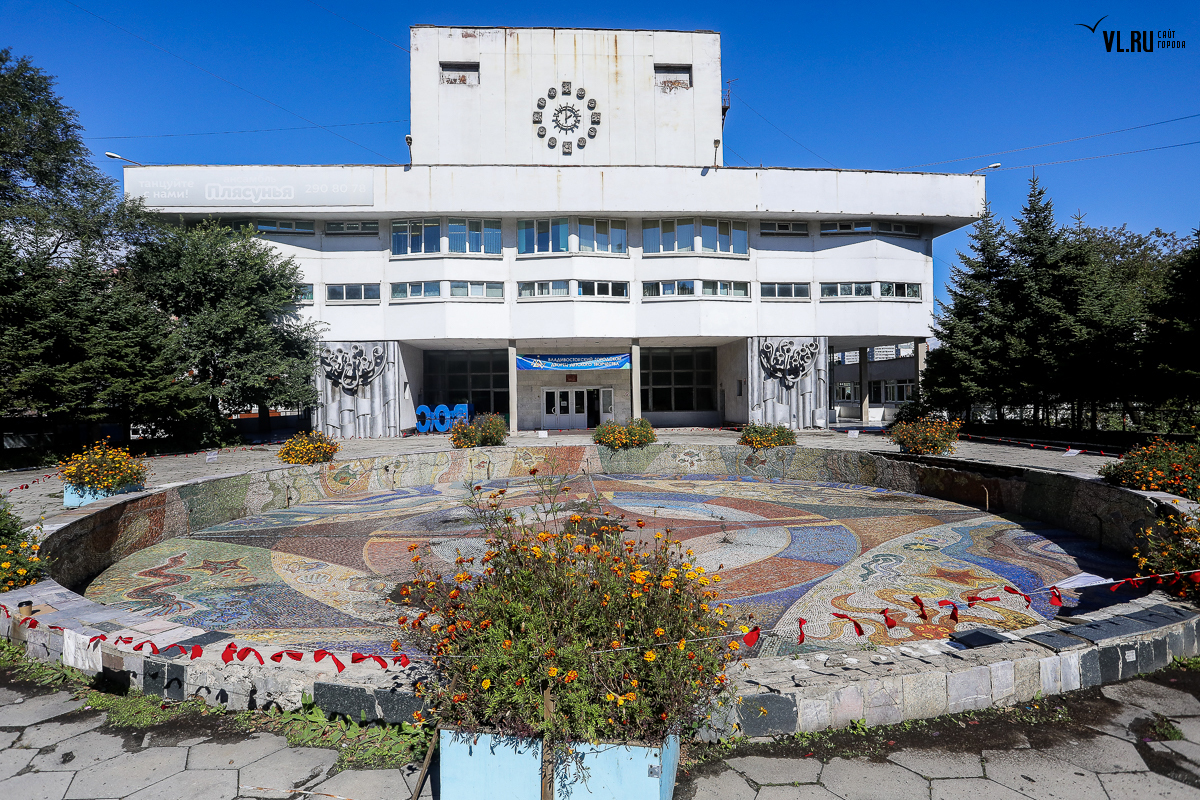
(634, 433)
(1161, 466)
(763, 436)
(21, 563)
(486, 430)
(1172, 545)
(931, 436)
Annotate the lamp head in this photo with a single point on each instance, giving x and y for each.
(408, 139)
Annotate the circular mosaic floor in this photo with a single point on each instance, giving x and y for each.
(316, 575)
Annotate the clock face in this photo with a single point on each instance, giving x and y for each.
(567, 117)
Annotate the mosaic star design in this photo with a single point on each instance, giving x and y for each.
(316, 575)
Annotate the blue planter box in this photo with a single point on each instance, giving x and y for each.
(509, 768)
(74, 497)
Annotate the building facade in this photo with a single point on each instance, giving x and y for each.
(568, 247)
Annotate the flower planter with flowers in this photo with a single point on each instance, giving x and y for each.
(572, 657)
(98, 472)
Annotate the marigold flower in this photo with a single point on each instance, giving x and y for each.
(649, 656)
(507, 644)
(659, 632)
(487, 683)
(553, 671)
(572, 675)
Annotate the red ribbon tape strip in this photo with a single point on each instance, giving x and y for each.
(320, 654)
(858, 631)
(751, 638)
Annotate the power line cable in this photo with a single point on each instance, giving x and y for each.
(1092, 158)
(785, 133)
(254, 130)
(360, 27)
(231, 83)
(1051, 144)
(739, 155)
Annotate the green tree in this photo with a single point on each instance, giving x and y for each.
(231, 297)
(968, 368)
(1175, 329)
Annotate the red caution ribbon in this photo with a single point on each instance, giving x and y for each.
(858, 631)
(751, 638)
(1028, 599)
(182, 650)
(100, 638)
(153, 646)
(923, 613)
(800, 624)
(28, 621)
(249, 651)
(229, 652)
(402, 660)
(356, 658)
(124, 640)
(953, 608)
(972, 599)
(888, 621)
(294, 655)
(1055, 596)
(320, 654)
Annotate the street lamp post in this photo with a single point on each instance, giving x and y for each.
(123, 158)
(981, 169)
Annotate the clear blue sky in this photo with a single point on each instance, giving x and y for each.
(877, 86)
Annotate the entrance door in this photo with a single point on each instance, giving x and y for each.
(578, 408)
(556, 409)
(593, 407)
(606, 405)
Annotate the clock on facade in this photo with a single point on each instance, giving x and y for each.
(565, 118)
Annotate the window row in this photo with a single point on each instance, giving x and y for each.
(889, 391)
(689, 235)
(414, 236)
(688, 288)
(562, 288)
(678, 378)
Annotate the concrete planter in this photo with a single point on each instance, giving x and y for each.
(76, 496)
(509, 768)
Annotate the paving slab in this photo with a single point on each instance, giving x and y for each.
(1152, 697)
(1101, 754)
(810, 792)
(1119, 723)
(767, 771)
(37, 709)
(48, 733)
(234, 755)
(972, 789)
(8, 696)
(13, 761)
(366, 784)
(1190, 728)
(36, 786)
(727, 785)
(1147, 786)
(7, 738)
(937, 764)
(859, 779)
(279, 774)
(411, 772)
(80, 752)
(1043, 777)
(127, 773)
(196, 784)
(1189, 750)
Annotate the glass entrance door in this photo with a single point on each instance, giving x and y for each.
(606, 405)
(564, 409)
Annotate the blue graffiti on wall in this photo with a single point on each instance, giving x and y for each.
(441, 418)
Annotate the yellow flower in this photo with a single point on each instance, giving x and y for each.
(6, 564)
(552, 671)
(649, 655)
(659, 631)
(733, 645)
(487, 683)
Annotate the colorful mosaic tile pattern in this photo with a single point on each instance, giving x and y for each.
(316, 574)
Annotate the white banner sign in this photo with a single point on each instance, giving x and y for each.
(252, 187)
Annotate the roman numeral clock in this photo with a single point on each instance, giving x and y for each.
(566, 118)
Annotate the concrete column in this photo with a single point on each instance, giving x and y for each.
(865, 395)
(920, 350)
(512, 385)
(635, 377)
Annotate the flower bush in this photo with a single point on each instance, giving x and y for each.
(761, 436)
(1172, 545)
(313, 447)
(928, 436)
(1161, 466)
(486, 430)
(103, 468)
(634, 433)
(571, 628)
(21, 563)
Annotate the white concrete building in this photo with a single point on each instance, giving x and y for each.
(567, 197)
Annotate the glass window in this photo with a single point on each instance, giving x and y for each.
(399, 291)
(829, 290)
(354, 291)
(284, 226)
(433, 235)
(723, 235)
(475, 235)
(433, 288)
(335, 292)
(304, 292)
(560, 288)
(668, 236)
(668, 288)
(708, 235)
(363, 226)
(741, 240)
(785, 290)
(491, 236)
(457, 230)
(912, 290)
(602, 235)
(526, 237)
(476, 289)
(678, 379)
(685, 287)
(741, 289)
(494, 289)
(525, 289)
(587, 288)
(543, 236)
(801, 290)
(620, 289)
(560, 235)
(587, 235)
(862, 290)
(686, 235)
(650, 289)
(619, 237)
(543, 288)
(476, 377)
(370, 291)
(767, 290)
(887, 289)
(400, 237)
(651, 236)
(710, 287)
(458, 288)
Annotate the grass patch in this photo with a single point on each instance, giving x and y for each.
(1165, 731)
(360, 745)
(136, 710)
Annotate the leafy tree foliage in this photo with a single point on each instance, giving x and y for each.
(1045, 319)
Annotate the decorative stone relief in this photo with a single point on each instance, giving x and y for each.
(788, 381)
(787, 361)
(354, 369)
(566, 118)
